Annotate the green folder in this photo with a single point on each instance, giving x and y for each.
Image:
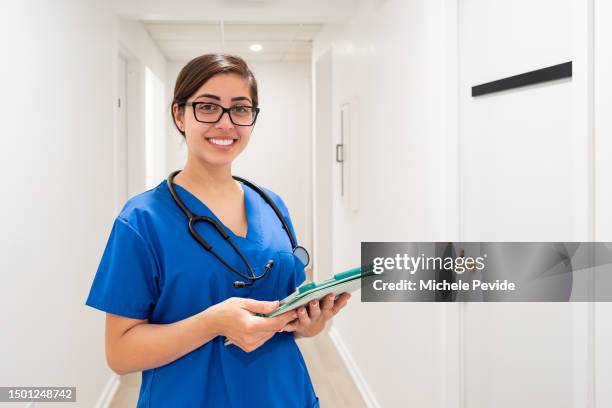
(347, 281)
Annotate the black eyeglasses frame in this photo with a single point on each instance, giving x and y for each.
(224, 110)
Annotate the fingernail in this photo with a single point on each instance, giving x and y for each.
(302, 311)
(314, 303)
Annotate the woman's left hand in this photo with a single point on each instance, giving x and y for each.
(312, 321)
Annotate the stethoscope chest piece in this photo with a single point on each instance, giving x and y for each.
(302, 255)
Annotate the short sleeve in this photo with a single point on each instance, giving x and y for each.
(126, 282)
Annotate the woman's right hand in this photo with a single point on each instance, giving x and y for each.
(236, 319)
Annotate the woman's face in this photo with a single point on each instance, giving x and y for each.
(208, 142)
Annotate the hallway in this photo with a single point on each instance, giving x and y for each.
(372, 128)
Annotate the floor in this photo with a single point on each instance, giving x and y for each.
(331, 379)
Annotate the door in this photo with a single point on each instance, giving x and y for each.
(522, 179)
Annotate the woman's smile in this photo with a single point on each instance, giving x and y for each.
(222, 143)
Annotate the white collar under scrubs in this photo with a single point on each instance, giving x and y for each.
(153, 269)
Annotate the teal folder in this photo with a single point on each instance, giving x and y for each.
(347, 281)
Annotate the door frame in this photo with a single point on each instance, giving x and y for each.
(322, 166)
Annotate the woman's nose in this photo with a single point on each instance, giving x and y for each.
(224, 122)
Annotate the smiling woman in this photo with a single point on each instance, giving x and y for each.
(202, 88)
(168, 281)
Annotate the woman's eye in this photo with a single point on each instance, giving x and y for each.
(207, 107)
(240, 109)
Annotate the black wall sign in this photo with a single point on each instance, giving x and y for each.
(529, 78)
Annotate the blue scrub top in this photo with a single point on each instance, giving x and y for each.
(153, 269)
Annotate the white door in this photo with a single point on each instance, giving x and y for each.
(522, 179)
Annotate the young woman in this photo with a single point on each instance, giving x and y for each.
(194, 260)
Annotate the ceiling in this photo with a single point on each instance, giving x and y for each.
(267, 11)
(181, 41)
(184, 29)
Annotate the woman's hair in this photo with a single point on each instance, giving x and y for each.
(201, 69)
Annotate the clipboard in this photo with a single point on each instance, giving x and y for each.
(347, 281)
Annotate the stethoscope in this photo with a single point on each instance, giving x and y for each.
(298, 251)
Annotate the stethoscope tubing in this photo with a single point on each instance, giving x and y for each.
(193, 219)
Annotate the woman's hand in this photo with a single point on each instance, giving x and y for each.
(319, 312)
(235, 318)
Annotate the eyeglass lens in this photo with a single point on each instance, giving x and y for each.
(211, 113)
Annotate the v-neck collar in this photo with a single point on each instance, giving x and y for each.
(251, 206)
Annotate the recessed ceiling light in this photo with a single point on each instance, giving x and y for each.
(256, 47)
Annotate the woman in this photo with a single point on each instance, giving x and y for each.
(172, 300)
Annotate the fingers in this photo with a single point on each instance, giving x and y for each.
(260, 306)
(314, 311)
(310, 319)
(303, 317)
(287, 317)
(328, 302)
(291, 327)
(274, 324)
(341, 302)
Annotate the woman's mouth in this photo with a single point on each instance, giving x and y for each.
(222, 143)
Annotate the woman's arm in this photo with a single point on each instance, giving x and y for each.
(136, 345)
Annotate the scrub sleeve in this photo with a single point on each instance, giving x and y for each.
(127, 280)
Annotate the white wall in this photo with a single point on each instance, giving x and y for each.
(155, 129)
(176, 149)
(141, 52)
(278, 155)
(58, 152)
(58, 198)
(383, 59)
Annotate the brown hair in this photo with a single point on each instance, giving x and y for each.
(201, 69)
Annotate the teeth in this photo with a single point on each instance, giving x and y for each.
(222, 142)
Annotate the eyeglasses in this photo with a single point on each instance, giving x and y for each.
(208, 112)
